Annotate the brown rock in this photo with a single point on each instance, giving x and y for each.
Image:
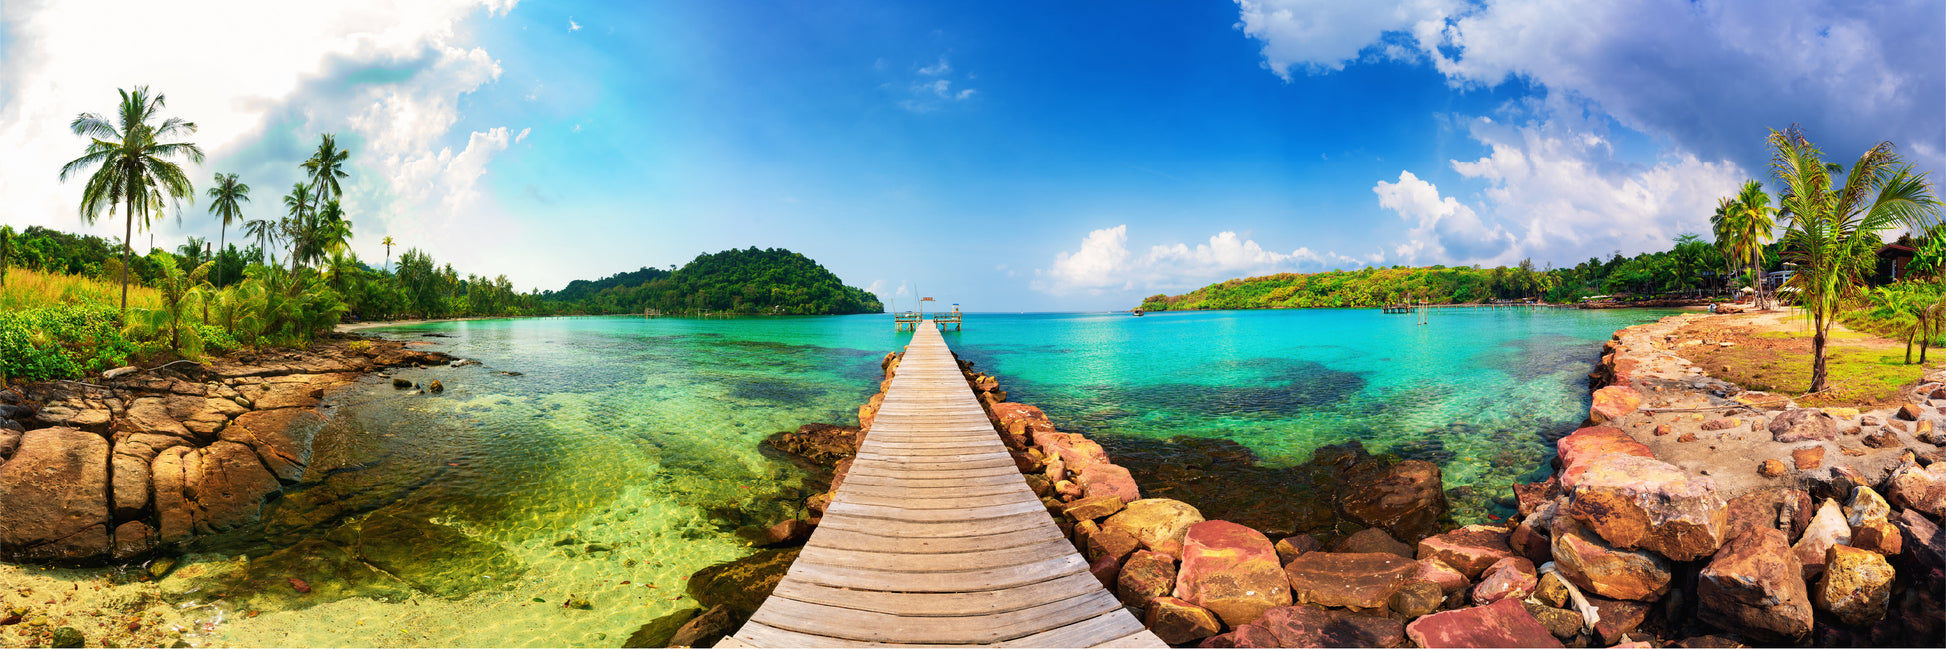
(707, 629)
(1551, 590)
(1470, 549)
(1291, 546)
(1856, 587)
(1803, 424)
(1145, 576)
(280, 438)
(1922, 545)
(1613, 402)
(1179, 622)
(1311, 626)
(1501, 624)
(1230, 570)
(1532, 543)
(1107, 570)
(1687, 437)
(1664, 429)
(1372, 540)
(1512, 577)
(129, 479)
(1111, 543)
(790, 532)
(1924, 489)
(54, 493)
(1636, 502)
(1154, 520)
(1881, 439)
(175, 513)
(1104, 480)
(1449, 579)
(1529, 496)
(1912, 412)
(1360, 580)
(1594, 442)
(1771, 468)
(1417, 599)
(1406, 501)
(1246, 636)
(1870, 518)
(132, 539)
(1594, 565)
(1808, 458)
(1827, 528)
(230, 487)
(1755, 586)
(1087, 509)
(1564, 624)
(1618, 617)
(1721, 424)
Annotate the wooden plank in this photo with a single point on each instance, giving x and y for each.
(942, 501)
(938, 582)
(943, 604)
(1000, 456)
(1143, 638)
(934, 454)
(997, 478)
(756, 633)
(988, 471)
(904, 515)
(940, 529)
(852, 539)
(1114, 625)
(936, 562)
(936, 491)
(869, 626)
(733, 642)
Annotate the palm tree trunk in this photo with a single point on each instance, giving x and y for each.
(219, 255)
(1818, 375)
(128, 250)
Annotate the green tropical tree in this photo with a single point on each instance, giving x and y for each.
(388, 251)
(6, 250)
(1834, 230)
(225, 199)
(266, 232)
(326, 168)
(133, 164)
(1743, 225)
(297, 224)
(176, 287)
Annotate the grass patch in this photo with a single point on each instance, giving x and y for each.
(1863, 376)
(31, 289)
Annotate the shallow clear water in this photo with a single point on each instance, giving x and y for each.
(643, 435)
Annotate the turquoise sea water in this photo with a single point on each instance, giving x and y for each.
(642, 437)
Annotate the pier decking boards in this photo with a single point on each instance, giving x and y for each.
(934, 538)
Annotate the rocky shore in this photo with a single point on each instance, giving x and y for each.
(1686, 512)
(143, 461)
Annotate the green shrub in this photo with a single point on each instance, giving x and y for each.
(64, 342)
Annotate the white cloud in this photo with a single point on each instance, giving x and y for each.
(936, 69)
(931, 91)
(573, 26)
(1555, 192)
(385, 77)
(1104, 263)
(1711, 75)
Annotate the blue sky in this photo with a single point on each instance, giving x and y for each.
(1007, 156)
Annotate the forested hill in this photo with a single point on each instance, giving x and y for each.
(752, 281)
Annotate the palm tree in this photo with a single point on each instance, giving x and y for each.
(1743, 225)
(1834, 230)
(297, 226)
(135, 169)
(388, 252)
(266, 231)
(223, 202)
(326, 167)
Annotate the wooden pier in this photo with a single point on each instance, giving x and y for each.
(909, 320)
(934, 538)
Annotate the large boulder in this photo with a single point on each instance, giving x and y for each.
(1512, 577)
(1311, 626)
(1230, 570)
(1153, 521)
(1470, 549)
(1637, 502)
(1102, 479)
(175, 510)
(1755, 586)
(1612, 403)
(1803, 424)
(1406, 500)
(281, 438)
(1870, 518)
(1916, 488)
(230, 487)
(54, 494)
(1364, 580)
(1922, 544)
(1145, 576)
(1827, 528)
(1593, 442)
(1856, 586)
(1591, 563)
(1369, 540)
(1077, 452)
(1505, 623)
(1449, 579)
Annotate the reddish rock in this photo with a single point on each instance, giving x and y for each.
(1775, 508)
(1641, 503)
(1512, 577)
(1154, 520)
(1664, 429)
(1111, 543)
(1529, 496)
(1594, 565)
(1827, 528)
(1870, 518)
(1856, 586)
(1803, 424)
(1531, 543)
(1771, 468)
(1232, 571)
(1922, 543)
(1449, 579)
(1145, 576)
(1686, 437)
(54, 492)
(1359, 580)
(1470, 549)
(1755, 586)
(1009, 412)
(1808, 458)
(1721, 424)
(1077, 453)
(1594, 442)
(1912, 412)
(1501, 624)
(1372, 540)
(1101, 480)
(1246, 636)
(1107, 570)
(789, 532)
(1311, 626)
(1087, 509)
(1417, 599)
(281, 438)
(1406, 501)
(1924, 489)
(1613, 402)
(1179, 622)
(1618, 617)
(1291, 546)
(1881, 439)
(230, 487)
(132, 539)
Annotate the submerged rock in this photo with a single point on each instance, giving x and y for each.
(656, 633)
(743, 584)
(1406, 499)
(436, 559)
